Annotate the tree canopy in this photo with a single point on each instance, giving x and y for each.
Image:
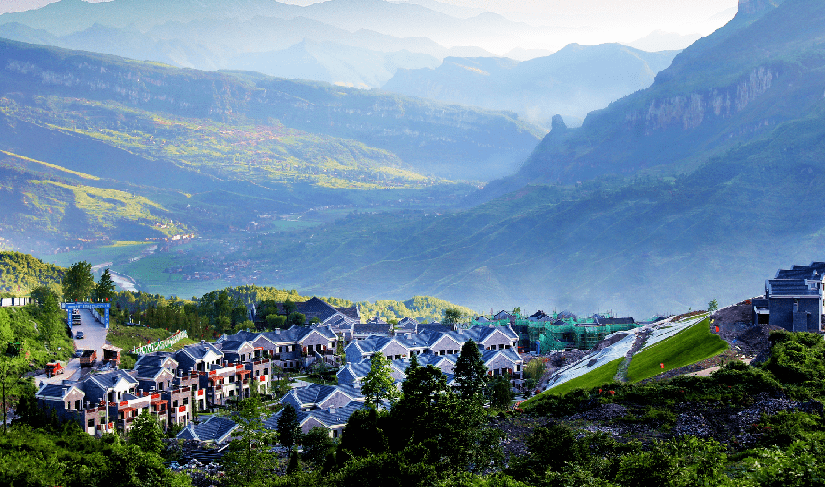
(78, 282)
(378, 385)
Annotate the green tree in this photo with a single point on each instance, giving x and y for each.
(317, 445)
(294, 465)
(105, 289)
(713, 305)
(364, 434)
(470, 373)
(44, 294)
(249, 460)
(11, 369)
(78, 282)
(533, 372)
(379, 385)
(289, 432)
(296, 319)
(275, 321)
(453, 316)
(146, 433)
(501, 395)
(289, 306)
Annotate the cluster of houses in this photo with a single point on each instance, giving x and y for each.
(201, 376)
(169, 385)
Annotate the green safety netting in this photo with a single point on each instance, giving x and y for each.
(563, 332)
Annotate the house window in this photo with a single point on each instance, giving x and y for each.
(160, 386)
(185, 401)
(175, 404)
(266, 370)
(77, 404)
(90, 423)
(231, 378)
(231, 393)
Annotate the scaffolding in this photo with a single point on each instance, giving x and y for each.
(560, 331)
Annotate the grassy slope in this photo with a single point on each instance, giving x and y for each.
(600, 376)
(689, 346)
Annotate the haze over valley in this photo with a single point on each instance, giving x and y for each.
(344, 150)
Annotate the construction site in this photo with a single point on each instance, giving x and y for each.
(545, 333)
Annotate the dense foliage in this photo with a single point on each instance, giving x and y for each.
(20, 273)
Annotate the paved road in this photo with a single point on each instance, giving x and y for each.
(94, 338)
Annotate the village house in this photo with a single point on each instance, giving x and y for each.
(793, 299)
(429, 345)
(318, 396)
(214, 430)
(290, 349)
(333, 419)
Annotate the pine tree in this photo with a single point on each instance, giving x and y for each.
(288, 428)
(470, 373)
(105, 289)
(379, 385)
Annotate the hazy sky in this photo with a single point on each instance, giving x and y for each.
(603, 20)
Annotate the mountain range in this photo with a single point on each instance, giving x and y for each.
(711, 175)
(573, 81)
(354, 43)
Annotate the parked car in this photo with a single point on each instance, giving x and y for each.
(79, 335)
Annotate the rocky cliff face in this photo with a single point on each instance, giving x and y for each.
(691, 110)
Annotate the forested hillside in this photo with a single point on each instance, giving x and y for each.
(20, 273)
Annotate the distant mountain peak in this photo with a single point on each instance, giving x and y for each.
(751, 7)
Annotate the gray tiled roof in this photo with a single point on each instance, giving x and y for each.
(233, 345)
(54, 390)
(325, 416)
(215, 428)
(316, 393)
(790, 287)
(434, 327)
(241, 336)
(155, 359)
(297, 333)
(199, 350)
(372, 328)
(351, 313)
(316, 308)
(148, 371)
(109, 379)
